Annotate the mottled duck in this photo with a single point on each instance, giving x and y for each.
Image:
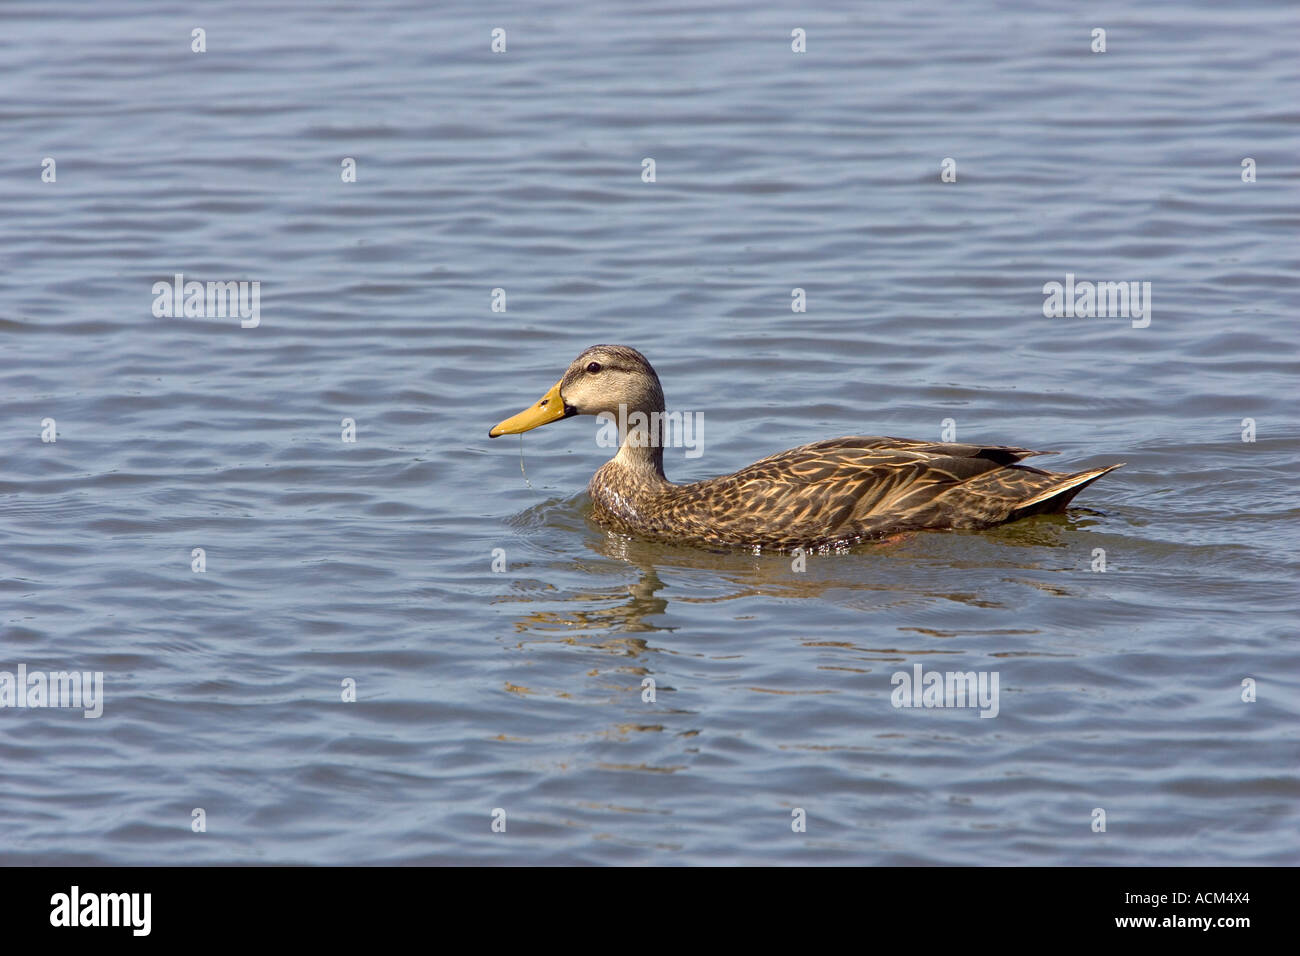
(830, 493)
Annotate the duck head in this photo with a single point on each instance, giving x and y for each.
(601, 379)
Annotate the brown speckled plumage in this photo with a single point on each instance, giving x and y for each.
(828, 493)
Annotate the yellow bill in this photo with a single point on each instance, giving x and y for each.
(549, 409)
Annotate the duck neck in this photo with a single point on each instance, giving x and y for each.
(642, 446)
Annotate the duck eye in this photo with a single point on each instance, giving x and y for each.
(594, 367)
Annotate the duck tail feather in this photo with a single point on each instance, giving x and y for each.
(1057, 496)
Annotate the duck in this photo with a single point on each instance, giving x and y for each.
(829, 494)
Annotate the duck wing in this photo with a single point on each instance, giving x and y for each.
(857, 487)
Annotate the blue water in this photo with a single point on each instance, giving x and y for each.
(521, 690)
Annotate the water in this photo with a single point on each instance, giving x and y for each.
(521, 690)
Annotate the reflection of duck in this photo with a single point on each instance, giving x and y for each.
(828, 493)
(631, 606)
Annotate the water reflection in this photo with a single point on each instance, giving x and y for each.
(968, 569)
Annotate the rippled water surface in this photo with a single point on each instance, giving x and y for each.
(522, 689)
